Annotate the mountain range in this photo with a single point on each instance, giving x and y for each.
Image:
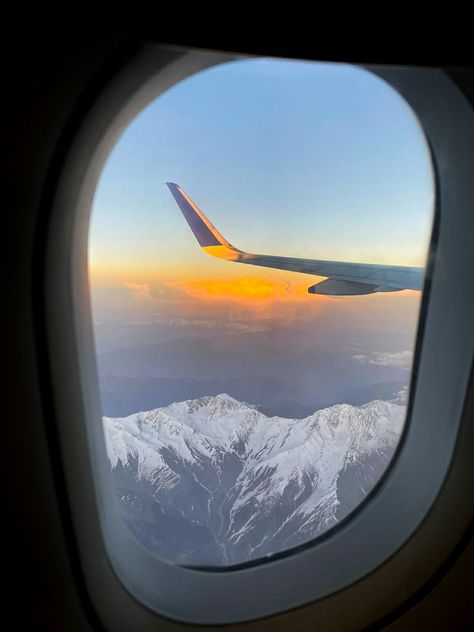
(213, 481)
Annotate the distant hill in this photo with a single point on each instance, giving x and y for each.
(122, 395)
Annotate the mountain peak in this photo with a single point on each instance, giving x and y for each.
(225, 400)
(216, 403)
(224, 397)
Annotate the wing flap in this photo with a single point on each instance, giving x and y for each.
(333, 287)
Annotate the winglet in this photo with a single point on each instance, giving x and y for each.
(204, 231)
(207, 235)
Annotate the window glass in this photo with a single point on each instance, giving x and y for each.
(255, 318)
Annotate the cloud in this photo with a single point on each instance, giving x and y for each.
(155, 292)
(403, 395)
(400, 359)
(210, 325)
(139, 288)
(241, 289)
(250, 299)
(235, 305)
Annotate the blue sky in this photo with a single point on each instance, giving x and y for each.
(286, 157)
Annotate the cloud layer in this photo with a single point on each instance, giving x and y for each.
(400, 359)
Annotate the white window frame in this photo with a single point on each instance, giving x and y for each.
(375, 558)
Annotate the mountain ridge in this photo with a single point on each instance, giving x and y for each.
(215, 481)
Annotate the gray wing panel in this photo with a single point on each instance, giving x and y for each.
(384, 278)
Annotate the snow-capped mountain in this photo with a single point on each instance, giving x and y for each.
(213, 481)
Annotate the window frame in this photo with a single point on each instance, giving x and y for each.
(119, 573)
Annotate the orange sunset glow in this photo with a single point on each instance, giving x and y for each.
(244, 289)
(279, 297)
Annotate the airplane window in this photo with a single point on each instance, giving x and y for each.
(256, 262)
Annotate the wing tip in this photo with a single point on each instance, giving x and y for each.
(203, 230)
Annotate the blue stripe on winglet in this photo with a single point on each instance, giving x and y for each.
(199, 228)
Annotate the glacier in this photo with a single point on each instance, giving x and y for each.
(215, 482)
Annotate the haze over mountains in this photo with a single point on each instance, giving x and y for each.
(214, 481)
(123, 395)
(290, 376)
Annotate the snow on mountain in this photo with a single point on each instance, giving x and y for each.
(214, 481)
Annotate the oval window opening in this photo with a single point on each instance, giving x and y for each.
(256, 262)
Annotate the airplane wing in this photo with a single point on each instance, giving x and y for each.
(343, 278)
